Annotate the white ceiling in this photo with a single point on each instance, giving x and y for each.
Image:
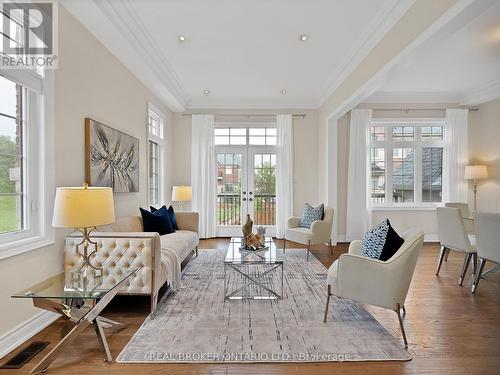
(461, 63)
(244, 52)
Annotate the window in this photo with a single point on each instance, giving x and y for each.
(26, 161)
(155, 155)
(406, 162)
(263, 136)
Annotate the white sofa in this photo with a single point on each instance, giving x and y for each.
(124, 245)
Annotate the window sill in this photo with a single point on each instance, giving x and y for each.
(404, 208)
(22, 246)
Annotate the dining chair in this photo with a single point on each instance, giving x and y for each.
(466, 215)
(488, 241)
(453, 236)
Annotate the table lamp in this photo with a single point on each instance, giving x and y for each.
(84, 209)
(182, 194)
(474, 173)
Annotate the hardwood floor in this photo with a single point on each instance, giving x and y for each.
(450, 330)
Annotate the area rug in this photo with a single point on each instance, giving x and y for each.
(196, 324)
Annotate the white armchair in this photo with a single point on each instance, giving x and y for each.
(488, 241)
(320, 231)
(371, 281)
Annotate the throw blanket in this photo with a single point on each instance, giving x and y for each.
(173, 263)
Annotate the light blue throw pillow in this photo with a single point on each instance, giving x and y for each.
(310, 214)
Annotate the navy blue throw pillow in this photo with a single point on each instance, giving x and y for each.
(156, 222)
(170, 212)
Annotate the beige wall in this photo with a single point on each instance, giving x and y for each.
(484, 148)
(90, 82)
(305, 154)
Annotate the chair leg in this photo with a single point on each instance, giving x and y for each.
(446, 254)
(398, 308)
(404, 310)
(442, 254)
(467, 259)
(284, 245)
(308, 249)
(474, 266)
(482, 263)
(154, 302)
(330, 246)
(328, 294)
(196, 250)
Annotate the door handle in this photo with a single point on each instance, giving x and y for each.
(244, 192)
(244, 199)
(250, 193)
(250, 199)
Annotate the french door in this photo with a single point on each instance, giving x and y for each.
(246, 184)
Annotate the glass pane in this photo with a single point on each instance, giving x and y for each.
(238, 131)
(222, 140)
(403, 173)
(271, 131)
(432, 174)
(8, 104)
(238, 140)
(10, 174)
(271, 141)
(264, 206)
(378, 174)
(10, 213)
(403, 133)
(378, 133)
(229, 171)
(257, 131)
(434, 133)
(221, 131)
(256, 140)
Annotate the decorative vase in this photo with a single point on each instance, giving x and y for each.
(247, 228)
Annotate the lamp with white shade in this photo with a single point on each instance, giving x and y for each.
(474, 173)
(182, 194)
(84, 209)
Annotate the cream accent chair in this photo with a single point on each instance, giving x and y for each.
(465, 213)
(488, 241)
(453, 236)
(372, 281)
(320, 231)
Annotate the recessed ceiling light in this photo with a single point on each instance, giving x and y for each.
(181, 38)
(303, 38)
(206, 92)
(283, 92)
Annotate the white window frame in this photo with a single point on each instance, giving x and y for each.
(39, 174)
(417, 144)
(154, 112)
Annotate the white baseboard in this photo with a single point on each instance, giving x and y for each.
(25, 330)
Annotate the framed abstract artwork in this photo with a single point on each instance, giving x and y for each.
(111, 158)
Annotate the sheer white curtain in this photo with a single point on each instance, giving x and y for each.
(457, 155)
(204, 172)
(358, 186)
(284, 173)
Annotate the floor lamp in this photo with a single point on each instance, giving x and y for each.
(474, 173)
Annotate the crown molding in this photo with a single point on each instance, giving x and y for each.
(413, 97)
(481, 94)
(249, 103)
(116, 26)
(382, 23)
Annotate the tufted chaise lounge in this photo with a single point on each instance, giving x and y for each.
(124, 245)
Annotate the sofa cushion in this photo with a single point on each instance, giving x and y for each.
(158, 221)
(310, 214)
(181, 242)
(123, 224)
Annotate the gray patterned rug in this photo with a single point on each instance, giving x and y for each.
(196, 325)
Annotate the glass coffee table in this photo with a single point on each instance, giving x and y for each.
(79, 296)
(254, 275)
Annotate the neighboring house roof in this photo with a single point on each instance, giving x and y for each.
(432, 160)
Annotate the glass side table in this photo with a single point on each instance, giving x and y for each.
(79, 296)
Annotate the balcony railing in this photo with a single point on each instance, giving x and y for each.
(229, 209)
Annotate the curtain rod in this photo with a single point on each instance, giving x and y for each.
(303, 115)
(417, 109)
